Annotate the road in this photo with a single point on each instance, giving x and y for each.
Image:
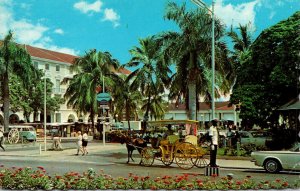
(112, 160)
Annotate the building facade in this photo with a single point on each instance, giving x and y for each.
(57, 67)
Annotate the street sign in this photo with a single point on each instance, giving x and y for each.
(103, 96)
(103, 102)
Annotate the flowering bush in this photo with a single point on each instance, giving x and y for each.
(33, 179)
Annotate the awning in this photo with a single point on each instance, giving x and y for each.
(291, 105)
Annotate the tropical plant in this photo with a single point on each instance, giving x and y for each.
(90, 70)
(125, 98)
(152, 72)
(13, 59)
(269, 77)
(190, 49)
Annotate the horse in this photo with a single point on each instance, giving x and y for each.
(132, 144)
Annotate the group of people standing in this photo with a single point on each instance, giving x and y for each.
(82, 142)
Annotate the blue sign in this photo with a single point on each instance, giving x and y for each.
(103, 97)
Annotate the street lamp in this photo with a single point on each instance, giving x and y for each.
(45, 117)
(201, 4)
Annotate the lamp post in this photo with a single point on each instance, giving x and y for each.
(104, 117)
(45, 112)
(201, 4)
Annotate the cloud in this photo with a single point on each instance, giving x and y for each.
(25, 31)
(58, 31)
(236, 14)
(85, 7)
(111, 15)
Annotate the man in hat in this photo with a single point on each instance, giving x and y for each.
(213, 133)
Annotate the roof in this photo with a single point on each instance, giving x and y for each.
(58, 56)
(291, 105)
(49, 54)
(204, 106)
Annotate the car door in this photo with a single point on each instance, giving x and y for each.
(245, 137)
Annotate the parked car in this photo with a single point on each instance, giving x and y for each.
(258, 138)
(275, 161)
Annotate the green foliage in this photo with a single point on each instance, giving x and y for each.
(268, 78)
(30, 179)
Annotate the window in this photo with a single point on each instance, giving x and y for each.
(57, 86)
(36, 64)
(57, 68)
(46, 66)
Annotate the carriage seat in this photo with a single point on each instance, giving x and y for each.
(171, 140)
(191, 139)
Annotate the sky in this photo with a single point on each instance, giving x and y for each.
(76, 26)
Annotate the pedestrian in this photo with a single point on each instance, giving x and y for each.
(213, 133)
(56, 145)
(85, 139)
(79, 142)
(1, 138)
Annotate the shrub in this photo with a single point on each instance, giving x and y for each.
(30, 179)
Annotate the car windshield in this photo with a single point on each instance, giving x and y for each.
(296, 148)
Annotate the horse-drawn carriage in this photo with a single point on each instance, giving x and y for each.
(183, 149)
(20, 133)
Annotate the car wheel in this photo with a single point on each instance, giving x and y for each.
(272, 166)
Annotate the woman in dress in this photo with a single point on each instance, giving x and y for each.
(79, 142)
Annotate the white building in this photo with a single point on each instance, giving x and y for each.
(57, 67)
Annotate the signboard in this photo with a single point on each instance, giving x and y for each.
(103, 97)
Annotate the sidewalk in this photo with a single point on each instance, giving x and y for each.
(95, 149)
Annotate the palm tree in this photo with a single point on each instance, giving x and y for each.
(153, 71)
(125, 99)
(13, 59)
(81, 92)
(241, 47)
(191, 52)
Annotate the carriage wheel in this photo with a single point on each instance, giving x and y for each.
(167, 159)
(147, 156)
(201, 162)
(13, 136)
(185, 154)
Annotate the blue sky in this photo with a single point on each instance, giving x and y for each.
(76, 26)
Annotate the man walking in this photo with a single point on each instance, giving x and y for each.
(213, 133)
(1, 138)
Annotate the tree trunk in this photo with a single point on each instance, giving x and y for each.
(127, 115)
(192, 101)
(6, 101)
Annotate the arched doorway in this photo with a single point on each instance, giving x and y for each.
(13, 119)
(71, 118)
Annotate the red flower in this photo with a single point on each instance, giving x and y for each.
(1, 165)
(20, 169)
(278, 180)
(198, 181)
(285, 184)
(248, 176)
(153, 188)
(58, 177)
(238, 183)
(41, 175)
(40, 167)
(130, 174)
(214, 175)
(200, 184)
(1, 174)
(136, 178)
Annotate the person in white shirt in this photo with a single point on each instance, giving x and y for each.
(213, 133)
(1, 138)
(79, 142)
(85, 140)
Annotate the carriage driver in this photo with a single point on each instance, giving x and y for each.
(1, 138)
(165, 135)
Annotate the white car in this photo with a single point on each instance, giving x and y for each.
(275, 161)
